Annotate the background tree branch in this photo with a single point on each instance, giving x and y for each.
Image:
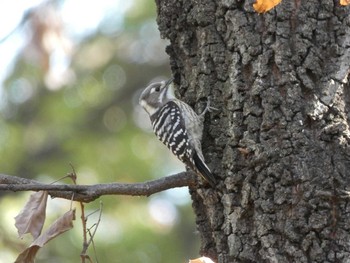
(88, 193)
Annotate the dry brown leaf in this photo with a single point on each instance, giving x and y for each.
(344, 2)
(262, 6)
(28, 255)
(61, 225)
(201, 260)
(32, 217)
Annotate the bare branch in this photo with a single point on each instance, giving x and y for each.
(88, 193)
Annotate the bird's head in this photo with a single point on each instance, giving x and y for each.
(156, 95)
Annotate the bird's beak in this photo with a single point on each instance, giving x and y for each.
(169, 93)
(169, 82)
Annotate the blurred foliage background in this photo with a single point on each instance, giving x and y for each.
(70, 76)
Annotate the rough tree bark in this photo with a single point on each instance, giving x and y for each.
(280, 141)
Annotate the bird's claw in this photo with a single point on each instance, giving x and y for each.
(208, 108)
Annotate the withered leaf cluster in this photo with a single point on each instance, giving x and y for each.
(31, 221)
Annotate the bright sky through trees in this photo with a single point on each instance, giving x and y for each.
(78, 22)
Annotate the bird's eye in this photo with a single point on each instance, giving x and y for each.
(155, 88)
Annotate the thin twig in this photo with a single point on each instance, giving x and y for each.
(92, 235)
(87, 243)
(94, 247)
(73, 177)
(88, 193)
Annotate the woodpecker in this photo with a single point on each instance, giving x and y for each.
(177, 125)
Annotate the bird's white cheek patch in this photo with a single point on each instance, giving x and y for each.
(150, 110)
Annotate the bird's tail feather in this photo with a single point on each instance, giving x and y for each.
(204, 170)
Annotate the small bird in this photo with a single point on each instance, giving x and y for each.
(177, 125)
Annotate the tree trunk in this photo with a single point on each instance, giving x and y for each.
(280, 140)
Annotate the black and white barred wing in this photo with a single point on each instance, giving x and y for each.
(169, 126)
